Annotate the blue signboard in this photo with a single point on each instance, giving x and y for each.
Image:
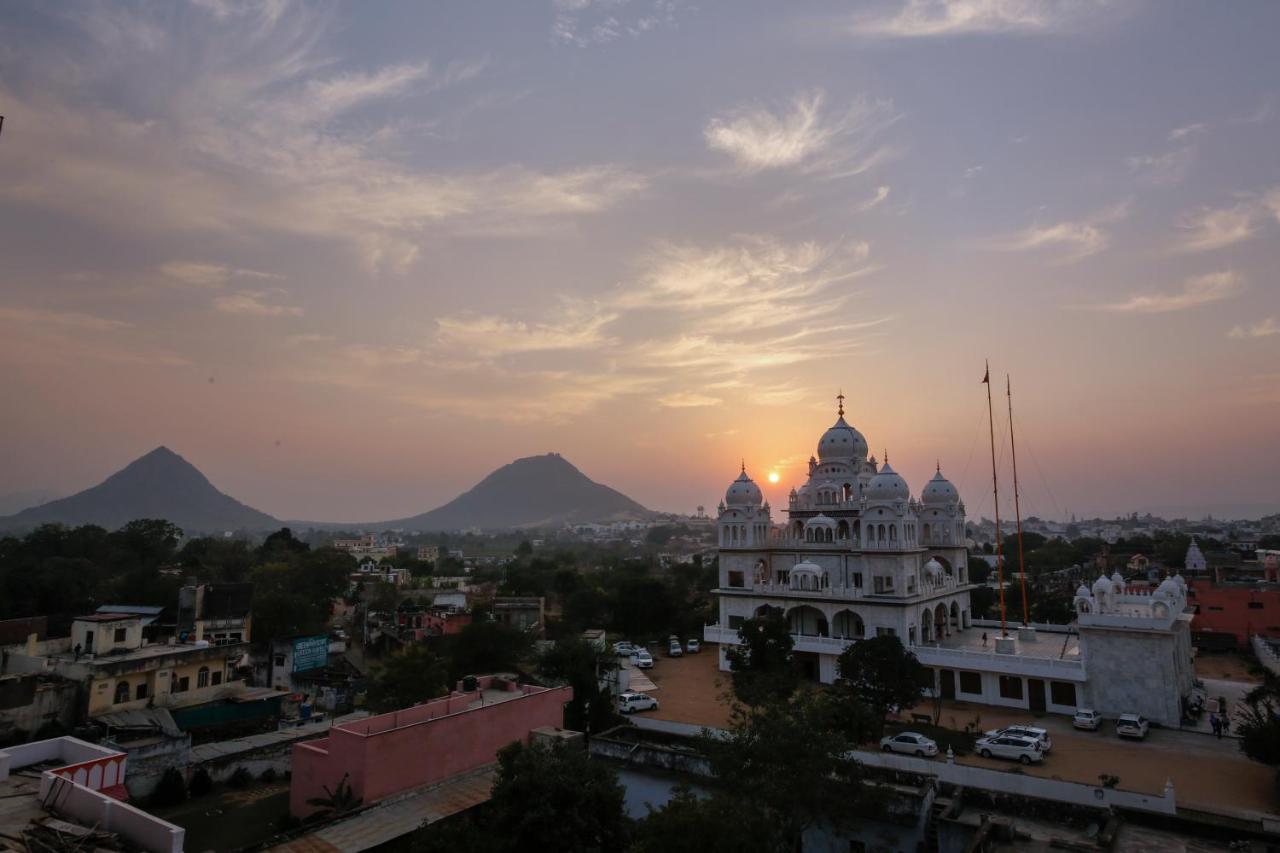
(310, 653)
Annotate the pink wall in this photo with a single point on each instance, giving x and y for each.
(417, 746)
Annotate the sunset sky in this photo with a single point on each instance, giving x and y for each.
(347, 259)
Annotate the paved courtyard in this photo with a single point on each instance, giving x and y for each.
(1205, 771)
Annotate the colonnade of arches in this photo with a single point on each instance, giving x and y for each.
(939, 622)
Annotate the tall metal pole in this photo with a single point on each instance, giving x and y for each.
(1013, 448)
(995, 488)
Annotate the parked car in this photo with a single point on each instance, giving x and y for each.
(1087, 719)
(644, 660)
(629, 703)
(624, 648)
(911, 743)
(1033, 732)
(693, 647)
(1132, 726)
(1022, 749)
(674, 649)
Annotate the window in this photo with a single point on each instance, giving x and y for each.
(141, 692)
(1010, 687)
(735, 579)
(122, 692)
(121, 634)
(882, 583)
(1062, 693)
(180, 685)
(735, 622)
(202, 677)
(857, 580)
(217, 679)
(971, 683)
(278, 660)
(1255, 605)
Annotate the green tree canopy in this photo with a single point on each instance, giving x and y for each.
(882, 675)
(762, 665)
(582, 666)
(405, 678)
(483, 648)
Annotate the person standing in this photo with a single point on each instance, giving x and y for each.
(1216, 725)
(984, 639)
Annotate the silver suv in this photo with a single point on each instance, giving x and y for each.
(1033, 732)
(1021, 749)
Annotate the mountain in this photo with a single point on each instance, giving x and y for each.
(537, 491)
(16, 501)
(159, 485)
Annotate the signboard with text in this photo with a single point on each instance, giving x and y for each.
(310, 653)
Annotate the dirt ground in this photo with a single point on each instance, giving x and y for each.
(1205, 771)
(1225, 666)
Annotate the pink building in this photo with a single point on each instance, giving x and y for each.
(422, 745)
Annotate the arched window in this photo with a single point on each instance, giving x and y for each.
(202, 677)
(828, 534)
(122, 692)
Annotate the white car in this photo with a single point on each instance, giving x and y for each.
(1133, 726)
(1087, 719)
(911, 743)
(674, 650)
(624, 649)
(629, 703)
(1032, 732)
(1021, 749)
(644, 660)
(693, 647)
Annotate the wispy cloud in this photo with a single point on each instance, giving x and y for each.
(1262, 329)
(62, 319)
(1196, 291)
(1187, 130)
(693, 326)
(584, 23)
(1069, 240)
(199, 274)
(941, 18)
(253, 130)
(255, 303)
(802, 134)
(1212, 228)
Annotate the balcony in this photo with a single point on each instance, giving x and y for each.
(784, 591)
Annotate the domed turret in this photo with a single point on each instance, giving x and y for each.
(1168, 588)
(841, 441)
(743, 491)
(887, 485)
(939, 491)
(1102, 586)
(1117, 581)
(933, 569)
(1082, 591)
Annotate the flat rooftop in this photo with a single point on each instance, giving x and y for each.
(155, 650)
(1047, 646)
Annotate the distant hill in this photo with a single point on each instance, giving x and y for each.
(537, 491)
(17, 501)
(159, 485)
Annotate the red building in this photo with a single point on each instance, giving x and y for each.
(1232, 608)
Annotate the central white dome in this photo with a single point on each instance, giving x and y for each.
(841, 441)
(743, 492)
(887, 485)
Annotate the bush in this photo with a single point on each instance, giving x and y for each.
(201, 783)
(171, 790)
(241, 778)
(268, 775)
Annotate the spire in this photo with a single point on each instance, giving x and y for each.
(840, 403)
(938, 469)
(744, 464)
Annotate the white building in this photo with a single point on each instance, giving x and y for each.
(857, 556)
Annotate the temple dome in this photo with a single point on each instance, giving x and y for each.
(743, 492)
(939, 491)
(841, 442)
(887, 485)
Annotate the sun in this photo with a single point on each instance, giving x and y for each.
(773, 476)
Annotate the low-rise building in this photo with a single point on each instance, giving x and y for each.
(217, 612)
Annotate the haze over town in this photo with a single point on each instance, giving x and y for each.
(348, 264)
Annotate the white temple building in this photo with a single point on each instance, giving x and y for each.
(858, 556)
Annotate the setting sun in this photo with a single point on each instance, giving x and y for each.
(773, 476)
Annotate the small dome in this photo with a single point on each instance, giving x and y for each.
(1169, 589)
(820, 520)
(1101, 585)
(887, 486)
(806, 567)
(743, 492)
(933, 568)
(841, 441)
(1180, 580)
(939, 491)
(1082, 592)
(1118, 581)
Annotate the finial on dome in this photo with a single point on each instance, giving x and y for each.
(886, 457)
(938, 469)
(744, 464)
(840, 403)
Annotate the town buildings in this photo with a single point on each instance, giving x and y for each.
(858, 556)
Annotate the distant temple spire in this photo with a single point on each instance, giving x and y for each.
(840, 403)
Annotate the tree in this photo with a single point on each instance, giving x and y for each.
(338, 801)
(1258, 722)
(556, 798)
(979, 570)
(282, 545)
(407, 678)
(482, 648)
(783, 762)
(689, 823)
(882, 675)
(762, 666)
(582, 666)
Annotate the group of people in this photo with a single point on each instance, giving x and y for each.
(1220, 723)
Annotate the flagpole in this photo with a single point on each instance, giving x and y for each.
(995, 488)
(1013, 448)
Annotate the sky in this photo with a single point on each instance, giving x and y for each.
(349, 258)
